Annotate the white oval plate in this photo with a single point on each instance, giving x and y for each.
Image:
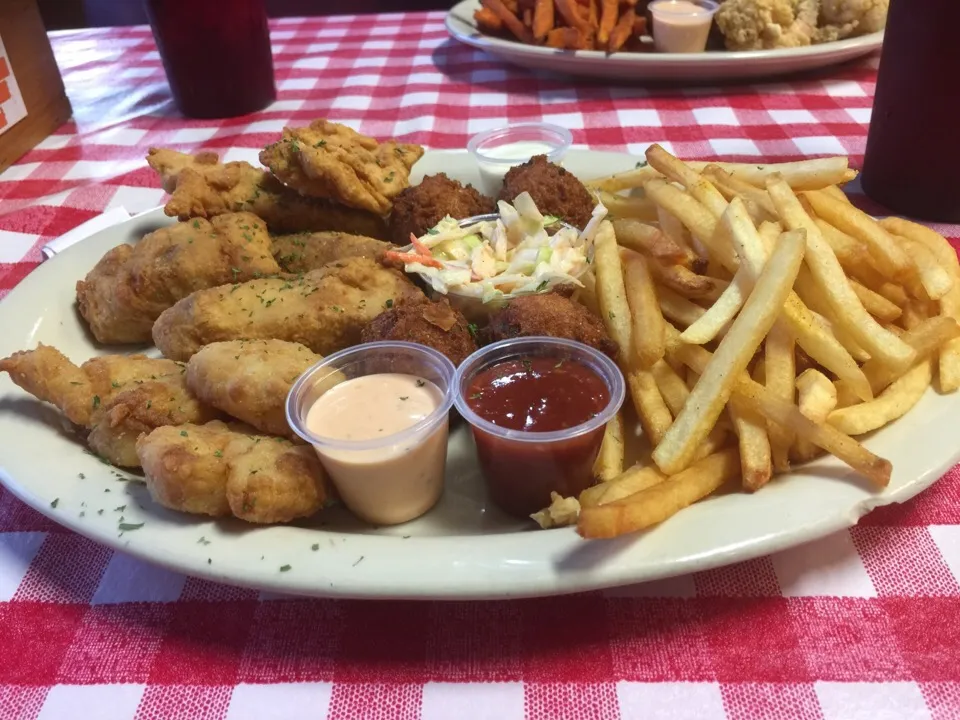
(463, 548)
(637, 67)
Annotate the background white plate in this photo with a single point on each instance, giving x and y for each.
(637, 67)
(461, 549)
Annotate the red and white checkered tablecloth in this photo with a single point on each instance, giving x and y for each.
(864, 624)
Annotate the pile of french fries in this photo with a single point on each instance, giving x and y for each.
(763, 320)
(606, 25)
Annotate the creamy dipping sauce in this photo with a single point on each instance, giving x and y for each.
(681, 26)
(386, 483)
(491, 174)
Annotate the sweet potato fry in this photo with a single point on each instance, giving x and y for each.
(509, 19)
(487, 20)
(542, 19)
(609, 10)
(621, 31)
(566, 38)
(572, 15)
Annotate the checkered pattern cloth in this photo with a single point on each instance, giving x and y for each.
(862, 624)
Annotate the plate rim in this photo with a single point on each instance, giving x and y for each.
(545, 545)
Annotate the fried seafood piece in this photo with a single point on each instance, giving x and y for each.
(324, 309)
(418, 208)
(330, 160)
(550, 314)
(304, 252)
(250, 379)
(115, 397)
(202, 186)
(132, 284)
(220, 470)
(554, 190)
(434, 324)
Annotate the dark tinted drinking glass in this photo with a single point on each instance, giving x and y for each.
(912, 162)
(216, 54)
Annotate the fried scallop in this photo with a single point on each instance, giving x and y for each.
(221, 470)
(325, 309)
(250, 379)
(304, 252)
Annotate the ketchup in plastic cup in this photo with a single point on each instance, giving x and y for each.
(913, 148)
(216, 55)
(538, 407)
(378, 417)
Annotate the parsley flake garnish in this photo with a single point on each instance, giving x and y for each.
(55, 502)
(127, 527)
(96, 401)
(285, 568)
(183, 433)
(421, 382)
(315, 547)
(388, 304)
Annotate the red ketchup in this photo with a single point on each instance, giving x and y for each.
(537, 395)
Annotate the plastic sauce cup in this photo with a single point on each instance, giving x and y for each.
(393, 478)
(522, 468)
(496, 151)
(682, 26)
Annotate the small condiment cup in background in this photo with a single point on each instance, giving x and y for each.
(522, 468)
(393, 478)
(498, 150)
(682, 26)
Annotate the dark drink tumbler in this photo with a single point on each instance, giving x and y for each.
(216, 55)
(912, 162)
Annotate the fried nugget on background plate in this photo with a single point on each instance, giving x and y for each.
(550, 314)
(330, 160)
(304, 252)
(434, 324)
(325, 309)
(555, 190)
(115, 397)
(218, 469)
(250, 379)
(202, 186)
(420, 207)
(132, 284)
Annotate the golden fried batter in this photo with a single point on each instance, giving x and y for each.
(329, 160)
(116, 397)
(324, 309)
(201, 186)
(219, 470)
(434, 324)
(310, 251)
(250, 379)
(132, 284)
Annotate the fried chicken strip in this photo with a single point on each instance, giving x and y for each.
(132, 284)
(220, 470)
(250, 379)
(330, 160)
(311, 251)
(115, 397)
(324, 309)
(202, 186)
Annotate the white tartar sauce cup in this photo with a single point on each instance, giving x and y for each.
(682, 26)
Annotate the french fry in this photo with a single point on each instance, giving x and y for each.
(816, 398)
(737, 348)
(627, 180)
(851, 253)
(648, 328)
(695, 183)
(685, 282)
(611, 293)
(609, 463)
(891, 260)
(828, 273)
(936, 280)
(811, 335)
(780, 372)
(926, 338)
(674, 229)
(758, 202)
(949, 375)
(572, 16)
(562, 512)
(609, 10)
(636, 207)
(894, 293)
(756, 467)
(543, 19)
(673, 389)
(892, 403)
(802, 175)
(587, 294)
(875, 303)
(718, 315)
(644, 238)
(808, 290)
(621, 31)
(566, 38)
(836, 193)
(677, 308)
(510, 21)
(913, 314)
(633, 480)
(488, 20)
(655, 417)
(654, 505)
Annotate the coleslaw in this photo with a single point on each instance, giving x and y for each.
(515, 254)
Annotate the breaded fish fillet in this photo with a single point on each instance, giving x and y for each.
(132, 284)
(330, 160)
(219, 470)
(202, 186)
(115, 397)
(310, 251)
(250, 379)
(324, 309)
